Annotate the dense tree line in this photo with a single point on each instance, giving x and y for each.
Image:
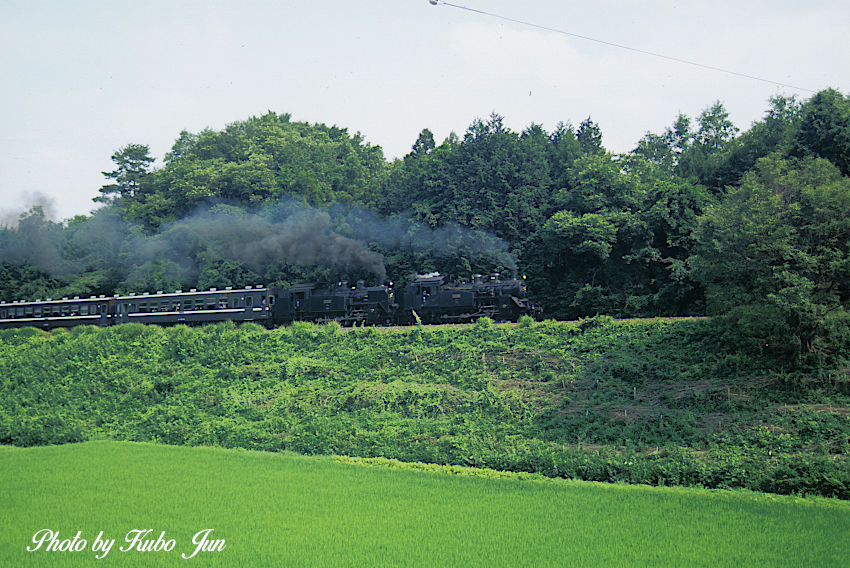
(699, 219)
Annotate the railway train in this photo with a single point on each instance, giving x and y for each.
(433, 298)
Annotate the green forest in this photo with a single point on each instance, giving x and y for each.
(700, 219)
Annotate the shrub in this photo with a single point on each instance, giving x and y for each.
(596, 321)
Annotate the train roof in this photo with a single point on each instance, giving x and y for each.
(133, 296)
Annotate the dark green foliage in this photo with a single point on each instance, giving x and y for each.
(824, 129)
(619, 244)
(595, 233)
(133, 164)
(775, 254)
(641, 402)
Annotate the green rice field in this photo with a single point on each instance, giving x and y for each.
(290, 510)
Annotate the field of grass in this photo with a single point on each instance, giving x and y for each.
(653, 402)
(289, 510)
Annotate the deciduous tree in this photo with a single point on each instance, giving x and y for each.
(775, 253)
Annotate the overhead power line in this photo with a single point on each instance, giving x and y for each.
(621, 46)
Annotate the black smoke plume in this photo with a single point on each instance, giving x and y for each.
(289, 232)
(304, 237)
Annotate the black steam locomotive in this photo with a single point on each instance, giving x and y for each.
(433, 298)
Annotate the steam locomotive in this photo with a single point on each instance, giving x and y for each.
(432, 298)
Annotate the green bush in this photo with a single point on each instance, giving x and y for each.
(596, 321)
(635, 402)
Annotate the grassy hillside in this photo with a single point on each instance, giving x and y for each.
(289, 510)
(664, 403)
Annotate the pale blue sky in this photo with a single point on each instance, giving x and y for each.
(81, 79)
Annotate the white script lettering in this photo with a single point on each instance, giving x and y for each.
(75, 544)
(102, 544)
(204, 545)
(136, 539)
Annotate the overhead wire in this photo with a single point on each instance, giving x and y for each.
(621, 46)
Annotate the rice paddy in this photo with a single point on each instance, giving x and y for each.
(290, 510)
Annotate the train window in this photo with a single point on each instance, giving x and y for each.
(65, 309)
(19, 312)
(188, 305)
(28, 311)
(249, 301)
(222, 302)
(271, 300)
(37, 311)
(3, 314)
(84, 310)
(211, 305)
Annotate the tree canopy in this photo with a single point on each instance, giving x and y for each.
(700, 218)
(775, 253)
